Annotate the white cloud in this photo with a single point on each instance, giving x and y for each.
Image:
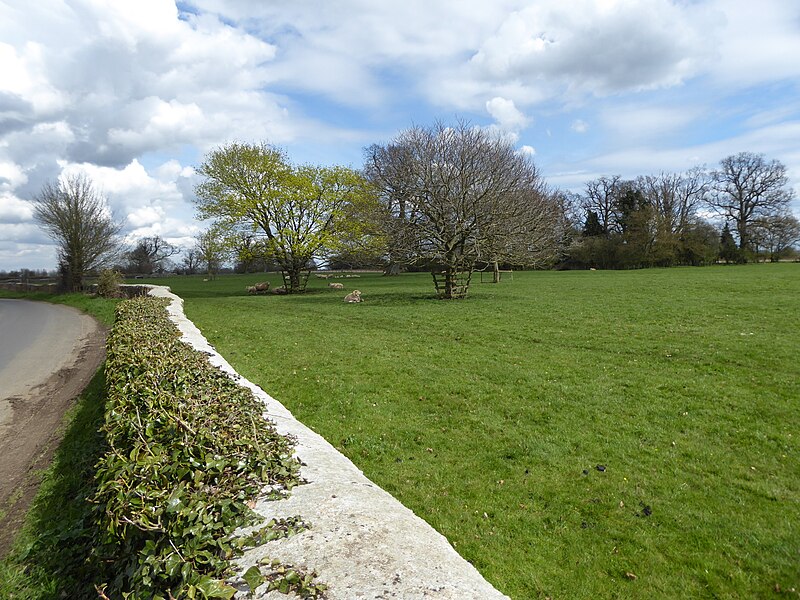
(106, 87)
(527, 150)
(579, 126)
(640, 122)
(507, 116)
(759, 42)
(14, 210)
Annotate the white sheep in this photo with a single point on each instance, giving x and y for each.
(354, 296)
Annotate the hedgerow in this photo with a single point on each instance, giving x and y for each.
(188, 448)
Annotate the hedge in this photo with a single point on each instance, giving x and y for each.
(188, 448)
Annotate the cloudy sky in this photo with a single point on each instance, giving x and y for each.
(135, 93)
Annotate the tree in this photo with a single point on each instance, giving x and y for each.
(592, 226)
(212, 250)
(452, 196)
(191, 260)
(601, 199)
(728, 251)
(298, 209)
(150, 254)
(76, 216)
(777, 233)
(746, 188)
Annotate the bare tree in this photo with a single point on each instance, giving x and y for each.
(150, 254)
(746, 188)
(452, 196)
(601, 199)
(76, 216)
(675, 197)
(776, 233)
(191, 260)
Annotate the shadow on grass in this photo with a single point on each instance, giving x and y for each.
(51, 556)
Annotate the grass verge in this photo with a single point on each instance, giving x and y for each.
(50, 554)
(574, 434)
(100, 308)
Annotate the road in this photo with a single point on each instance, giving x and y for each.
(48, 354)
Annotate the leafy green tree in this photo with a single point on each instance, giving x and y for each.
(212, 249)
(592, 227)
(299, 210)
(728, 250)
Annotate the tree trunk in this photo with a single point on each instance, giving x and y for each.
(293, 280)
(391, 270)
(449, 283)
(495, 272)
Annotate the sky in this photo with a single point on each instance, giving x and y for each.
(135, 94)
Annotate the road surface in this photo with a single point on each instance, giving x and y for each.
(48, 354)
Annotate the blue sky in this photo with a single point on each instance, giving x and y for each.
(135, 93)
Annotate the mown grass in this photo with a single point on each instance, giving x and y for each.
(573, 434)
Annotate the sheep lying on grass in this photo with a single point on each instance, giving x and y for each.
(354, 296)
(259, 288)
(336, 286)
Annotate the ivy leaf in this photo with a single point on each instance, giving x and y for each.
(214, 588)
(254, 578)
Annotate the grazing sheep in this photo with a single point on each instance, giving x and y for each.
(354, 296)
(336, 286)
(321, 276)
(251, 289)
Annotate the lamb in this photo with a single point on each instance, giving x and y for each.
(354, 296)
(336, 286)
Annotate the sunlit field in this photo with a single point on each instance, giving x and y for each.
(573, 434)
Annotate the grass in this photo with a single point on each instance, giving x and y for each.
(566, 431)
(49, 557)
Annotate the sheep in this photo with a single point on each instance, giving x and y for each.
(336, 286)
(279, 290)
(259, 288)
(354, 296)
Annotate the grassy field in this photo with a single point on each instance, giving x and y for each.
(573, 434)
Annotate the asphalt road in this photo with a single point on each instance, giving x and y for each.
(48, 354)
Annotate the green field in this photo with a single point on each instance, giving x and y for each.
(567, 431)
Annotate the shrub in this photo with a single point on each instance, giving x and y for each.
(108, 284)
(187, 449)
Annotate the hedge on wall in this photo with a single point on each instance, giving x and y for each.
(188, 448)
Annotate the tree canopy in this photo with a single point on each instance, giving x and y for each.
(299, 210)
(452, 196)
(748, 188)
